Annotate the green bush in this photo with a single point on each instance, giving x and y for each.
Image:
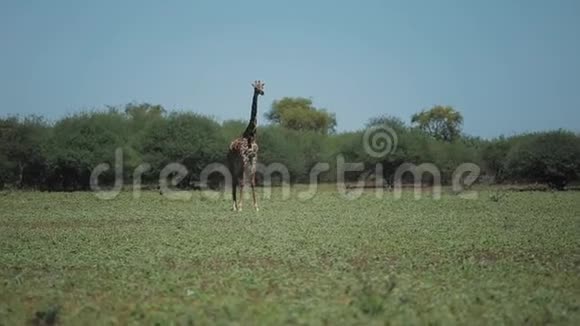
(190, 139)
(550, 157)
(79, 143)
(22, 161)
(34, 153)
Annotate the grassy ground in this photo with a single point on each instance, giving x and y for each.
(500, 259)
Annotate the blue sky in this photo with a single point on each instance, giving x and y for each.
(508, 66)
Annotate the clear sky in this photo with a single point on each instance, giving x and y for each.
(508, 65)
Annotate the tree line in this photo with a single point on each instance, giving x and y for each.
(60, 155)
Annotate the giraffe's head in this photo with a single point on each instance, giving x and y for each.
(258, 87)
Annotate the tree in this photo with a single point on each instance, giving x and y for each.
(81, 142)
(21, 143)
(395, 123)
(298, 113)
(389, 138)
(550, 157)
(493, 155)
(190, 139)
(441, 122)
(143, 114)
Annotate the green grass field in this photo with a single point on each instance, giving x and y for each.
(515, 260)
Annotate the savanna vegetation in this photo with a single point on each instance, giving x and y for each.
(60, 155)
(71, 258)
(505, 258)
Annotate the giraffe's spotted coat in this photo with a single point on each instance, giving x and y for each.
(247, 150)
(243, 153)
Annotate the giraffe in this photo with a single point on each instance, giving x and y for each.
(243, 154)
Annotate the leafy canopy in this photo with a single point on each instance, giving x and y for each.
(441, 122)
(298, 113)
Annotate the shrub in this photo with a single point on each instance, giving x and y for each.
(190, 139)
(22, 161)
(79, 143)
(551, 157)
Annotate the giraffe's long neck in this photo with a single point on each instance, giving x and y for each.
(250, 131)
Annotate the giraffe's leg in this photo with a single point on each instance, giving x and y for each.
(240, 202)
(234, 186)
(253, 184)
